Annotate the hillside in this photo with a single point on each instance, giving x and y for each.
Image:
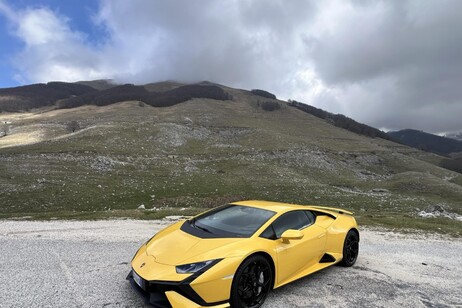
(204, 152)
(427, 142)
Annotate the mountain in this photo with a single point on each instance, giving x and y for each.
(94, 161)
(427, 142)
(39, 95)
(160, 94)
(456, 136)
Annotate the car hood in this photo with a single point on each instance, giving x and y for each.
(174, 247)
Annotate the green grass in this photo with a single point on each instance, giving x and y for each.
(412, 224)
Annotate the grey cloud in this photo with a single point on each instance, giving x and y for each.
(279, 16)
(240, 43)
(366, 45)
(392, 64)
(413, 45)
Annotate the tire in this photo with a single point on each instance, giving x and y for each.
(350, 249)
(251, 283)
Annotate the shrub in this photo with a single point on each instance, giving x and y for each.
(73, 126)
(341, 121)
(263, 93)
(270, 106)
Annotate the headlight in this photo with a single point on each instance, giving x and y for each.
(195, 267)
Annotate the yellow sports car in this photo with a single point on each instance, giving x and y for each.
(235, 254)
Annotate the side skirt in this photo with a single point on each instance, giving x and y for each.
(312, 269)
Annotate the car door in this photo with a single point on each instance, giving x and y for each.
(297, 254)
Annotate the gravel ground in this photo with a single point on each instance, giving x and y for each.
(84, 264)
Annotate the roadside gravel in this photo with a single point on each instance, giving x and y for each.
(84, 264)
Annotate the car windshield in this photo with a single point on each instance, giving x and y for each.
(232, 220)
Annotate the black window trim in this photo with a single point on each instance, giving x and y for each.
(274, 237)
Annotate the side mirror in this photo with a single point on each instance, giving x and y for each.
(291, 235)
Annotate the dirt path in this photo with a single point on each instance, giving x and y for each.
(84, 264)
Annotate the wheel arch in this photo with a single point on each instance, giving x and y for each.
(270, 260)
(344, 261)
(355, 231)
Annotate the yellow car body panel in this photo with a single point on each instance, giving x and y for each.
(296, 256)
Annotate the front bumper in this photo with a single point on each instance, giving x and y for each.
(168, 294)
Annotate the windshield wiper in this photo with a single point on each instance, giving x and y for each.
(193, 223)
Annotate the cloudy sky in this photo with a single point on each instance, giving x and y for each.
(390, 64)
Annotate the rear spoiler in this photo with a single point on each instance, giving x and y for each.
(333, 209)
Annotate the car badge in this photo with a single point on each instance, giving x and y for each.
(142, 264)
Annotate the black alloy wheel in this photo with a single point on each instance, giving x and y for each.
(350, 249)
(251, 283)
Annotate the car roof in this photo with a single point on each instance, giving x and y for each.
(270, 205)
(281, 207)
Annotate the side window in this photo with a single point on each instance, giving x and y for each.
(311, 217)
(269, 233)
(293, 220)
(296, 220)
